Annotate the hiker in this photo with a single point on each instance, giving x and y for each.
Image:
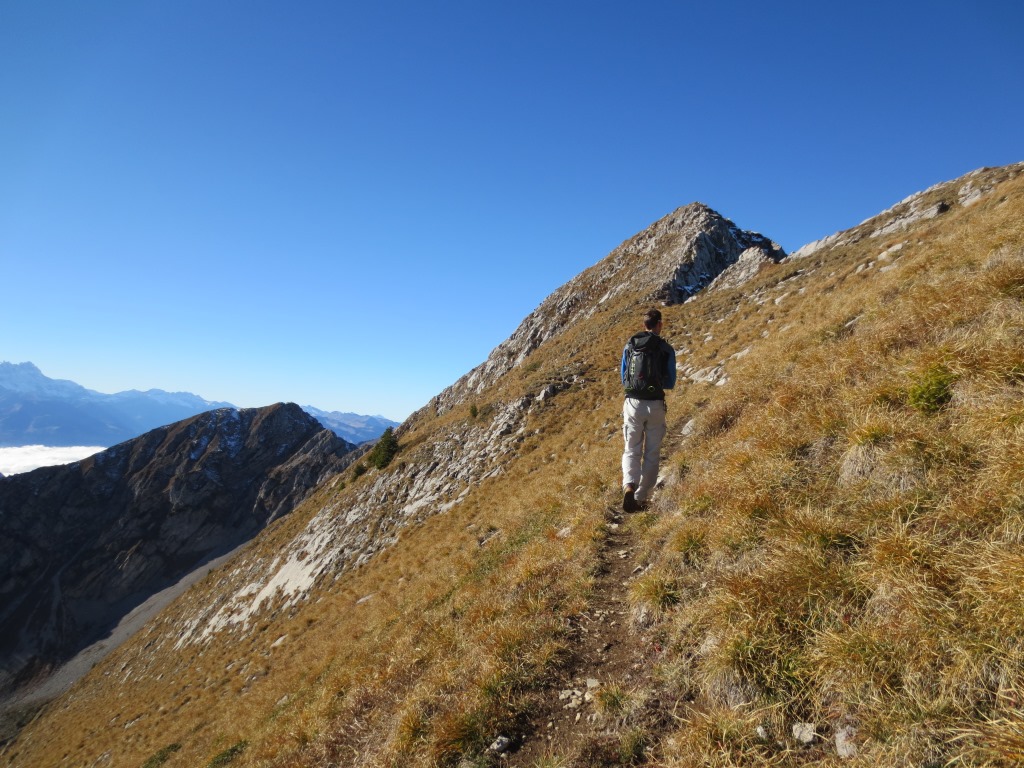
(648, 369)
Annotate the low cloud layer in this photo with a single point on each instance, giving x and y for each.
(25, 458)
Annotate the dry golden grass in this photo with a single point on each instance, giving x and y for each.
(837, 543)
(846, 512)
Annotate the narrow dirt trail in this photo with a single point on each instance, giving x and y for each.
(576, 719)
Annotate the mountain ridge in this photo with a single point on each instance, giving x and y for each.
(353, 427)
(814, 582)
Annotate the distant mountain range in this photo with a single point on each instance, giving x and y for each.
(351, 426)
(38, 410)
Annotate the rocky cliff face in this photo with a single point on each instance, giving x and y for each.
(83, 544)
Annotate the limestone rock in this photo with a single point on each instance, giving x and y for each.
(746, 266)
(501, 745)
(804, 733)
(846, 746)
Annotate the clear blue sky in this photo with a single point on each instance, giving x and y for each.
(348, 205)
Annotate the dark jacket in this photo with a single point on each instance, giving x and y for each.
(646, 340)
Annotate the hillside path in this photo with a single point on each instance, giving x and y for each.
(607, 655)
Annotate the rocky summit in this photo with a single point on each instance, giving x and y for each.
(667, 263)
(81, 545)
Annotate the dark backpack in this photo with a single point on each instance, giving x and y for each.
(644, 365)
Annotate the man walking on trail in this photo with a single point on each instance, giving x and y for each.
(648, 369)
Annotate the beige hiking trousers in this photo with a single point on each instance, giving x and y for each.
(643, 427)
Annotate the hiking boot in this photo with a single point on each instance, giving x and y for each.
(629, 503)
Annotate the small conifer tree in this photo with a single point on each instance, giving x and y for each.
(385, 449)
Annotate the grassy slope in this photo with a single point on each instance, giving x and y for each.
(843, 547)
(837, 543)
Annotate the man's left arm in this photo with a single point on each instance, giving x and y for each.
(670, 368)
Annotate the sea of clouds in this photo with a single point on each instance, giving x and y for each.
(25, 458)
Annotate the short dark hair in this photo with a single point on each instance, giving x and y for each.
(651, 319)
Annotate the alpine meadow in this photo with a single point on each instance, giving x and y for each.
(831, 571)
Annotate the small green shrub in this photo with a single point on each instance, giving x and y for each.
(632, 745)
(162, 756)
(612, 699)
(932, 390)
(228, 755)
